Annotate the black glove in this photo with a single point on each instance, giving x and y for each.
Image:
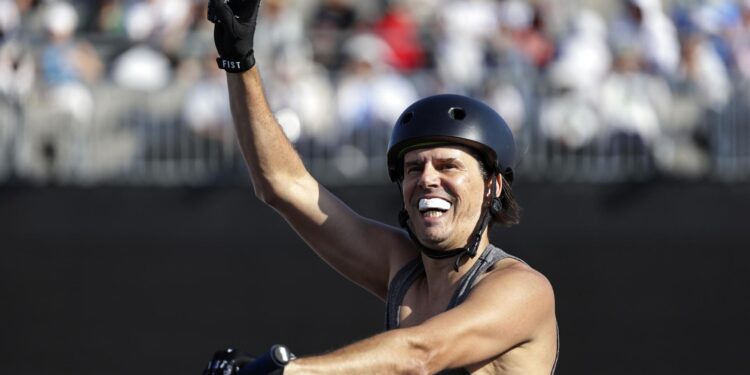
(234, 28)
(227, 362)
(232, 362)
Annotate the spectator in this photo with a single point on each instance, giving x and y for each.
(54, 141)
(570, 115)
(164, 23)
(143, 66)
(205, 109)
(369, 94)
(584, 58)
(741, 43)
(17, 67)
(17, 72)
(67, 65)
(466, 27)
(302, 91)
(110, 19)
(331, 24)
(702, 68)
(17, 76)
(570, 120)
(199, 40)
(423, 12)
(702, 90)
(283, 28)
(645, 26)
(524, 25)
(32, 27)
(399, 30)
(718, 20)
(633, 104)
(10, 19)
(506, 98)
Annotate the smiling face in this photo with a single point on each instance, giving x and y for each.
(443, 192)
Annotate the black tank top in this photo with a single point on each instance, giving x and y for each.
(415, 269)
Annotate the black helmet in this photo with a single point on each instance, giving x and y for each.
(453, 119)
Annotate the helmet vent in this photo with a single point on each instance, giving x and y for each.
(407, 117)
(457, 113)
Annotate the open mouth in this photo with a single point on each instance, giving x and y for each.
(433, 207)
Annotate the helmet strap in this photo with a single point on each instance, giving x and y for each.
(472, 247)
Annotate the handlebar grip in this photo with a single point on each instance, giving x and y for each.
(274, 359)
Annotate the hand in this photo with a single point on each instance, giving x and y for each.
(233, 362)
(234, 29)
(270, 363)
(227, 362)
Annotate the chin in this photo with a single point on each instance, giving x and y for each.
(435, 237)
(434, 242)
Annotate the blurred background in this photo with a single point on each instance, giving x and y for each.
(130, 240)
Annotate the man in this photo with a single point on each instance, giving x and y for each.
(453, 159)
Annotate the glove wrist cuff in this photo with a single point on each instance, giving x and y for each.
(237, 66)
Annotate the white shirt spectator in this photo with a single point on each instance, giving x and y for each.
(653, 32)
(370, 93)
(585, 58)
(467, 25)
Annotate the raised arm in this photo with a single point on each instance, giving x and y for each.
(336, 233)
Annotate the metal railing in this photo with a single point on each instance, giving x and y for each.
(141, 139)
(730, 141)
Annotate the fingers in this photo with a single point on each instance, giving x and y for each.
(220, 360)
(246, 9)
(224, 14)
(221, 10)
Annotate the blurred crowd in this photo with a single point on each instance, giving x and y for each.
(646, 76)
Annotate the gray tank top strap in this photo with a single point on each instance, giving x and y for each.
(489, 257)
(397, 290)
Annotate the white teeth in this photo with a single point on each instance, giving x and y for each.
(434, 204)
(432, 213)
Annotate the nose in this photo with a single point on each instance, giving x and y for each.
(430, 177)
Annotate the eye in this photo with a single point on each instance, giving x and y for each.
(449, 166)
(411, 169)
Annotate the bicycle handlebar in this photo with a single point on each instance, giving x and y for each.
(274, 359)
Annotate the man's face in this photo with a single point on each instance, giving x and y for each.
(443, 192)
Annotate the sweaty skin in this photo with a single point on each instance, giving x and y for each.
(507, 324)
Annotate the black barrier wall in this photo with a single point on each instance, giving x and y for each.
(649, 279)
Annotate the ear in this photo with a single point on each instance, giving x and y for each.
(496, 205)
(498, 187)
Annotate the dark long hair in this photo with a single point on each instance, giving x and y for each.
(511, 212)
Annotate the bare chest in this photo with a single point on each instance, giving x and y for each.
(417, 306)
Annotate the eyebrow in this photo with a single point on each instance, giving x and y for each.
(439, 160)
(413, 163)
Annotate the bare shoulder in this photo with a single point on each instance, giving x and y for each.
(511, 268)
(513, 280)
